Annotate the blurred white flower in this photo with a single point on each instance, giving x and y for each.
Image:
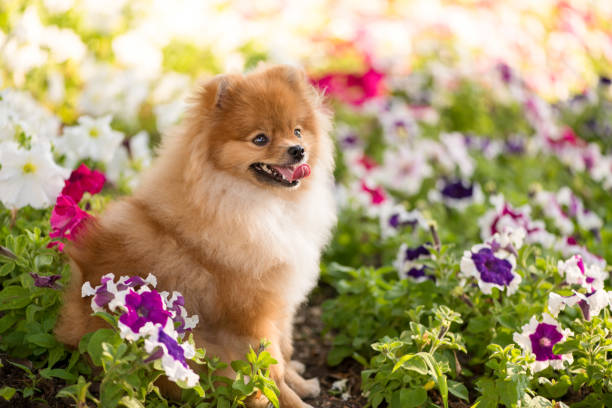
(128, 166)
(91, 138)
(29, 177)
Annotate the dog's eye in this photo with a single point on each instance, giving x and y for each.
(260, 139)
(297, 132)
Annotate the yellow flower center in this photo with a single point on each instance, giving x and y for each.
(94, 133)
(29, 168)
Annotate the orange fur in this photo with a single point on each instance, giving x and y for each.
(244, 253)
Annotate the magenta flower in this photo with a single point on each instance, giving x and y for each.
(143, 308)
(539, 338)
(353, 88)
(376, 194)
(83, 180)
(67, 218)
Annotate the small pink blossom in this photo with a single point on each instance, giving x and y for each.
(67, 218)
(83, 180)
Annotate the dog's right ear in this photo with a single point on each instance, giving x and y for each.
(215, 91)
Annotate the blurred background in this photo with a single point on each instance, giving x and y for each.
(137, 59)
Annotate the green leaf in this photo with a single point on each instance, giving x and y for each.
(7, 392)
(131, 402)
(42, 339)
(57, 373)
(412, 397)
(412, 362)
(94, 346)
(241, 366)
(337, 354)
(14, 297)
(7, 321)
(7, 268)
(566, 347)
(271, 395)
(458, 390)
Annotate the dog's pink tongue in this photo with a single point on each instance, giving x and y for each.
(301, 171)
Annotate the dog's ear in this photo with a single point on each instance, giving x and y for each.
(215, 91)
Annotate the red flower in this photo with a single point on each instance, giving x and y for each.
(83, 180)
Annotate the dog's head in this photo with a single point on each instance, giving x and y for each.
(267, 127)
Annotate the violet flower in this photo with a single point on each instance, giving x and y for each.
(491, 269)
(50, 281)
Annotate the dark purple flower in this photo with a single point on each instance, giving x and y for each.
(143, 308)
(492, 269)
(457, 190)
(515, 146)
(412, 254)
(46, 281)
(419, 274)
(543, 340)
(395, 221)
(156, 355)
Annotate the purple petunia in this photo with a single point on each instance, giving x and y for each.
(491, 268)
(539, 339)
(143, 308)
(41, 281)
(408, 265)
(457, 193)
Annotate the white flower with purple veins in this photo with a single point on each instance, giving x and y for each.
(394, 218)
(457, 154)
(568, 246)
(456, 194)
(591, 304)
(408, 265)
(576, 272)
(149, 315)
(538, 338)
(492, 269)
(404, 170)
(173, 355)
(92, 138)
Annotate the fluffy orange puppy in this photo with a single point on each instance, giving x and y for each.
(233, 213)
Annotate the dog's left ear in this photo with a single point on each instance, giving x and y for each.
(215, 91)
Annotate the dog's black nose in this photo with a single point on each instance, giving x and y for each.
(297, 152)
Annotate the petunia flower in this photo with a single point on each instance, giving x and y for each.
(538, 338)
(575, 272)
(92, 138)
(591, 304)
(491, 269)
(142, 308)
(504, 216)
(394, 218)
(29, 177)
(403, 170)
(457, 194)
(408, 265)
(83, 180)
(50, 281)
(67, 218)
(353, 88)
(175, 355)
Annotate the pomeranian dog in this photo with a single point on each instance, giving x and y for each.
(233, 213)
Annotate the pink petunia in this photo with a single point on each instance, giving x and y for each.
(353, 88)
(67, 218)
(83, 180)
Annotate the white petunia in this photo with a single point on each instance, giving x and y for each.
(91, 138)
(29, 177)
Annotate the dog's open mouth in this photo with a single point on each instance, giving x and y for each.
(288, 176)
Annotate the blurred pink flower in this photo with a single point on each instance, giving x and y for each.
(353, 88)
(83, 180)
(67, 218)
